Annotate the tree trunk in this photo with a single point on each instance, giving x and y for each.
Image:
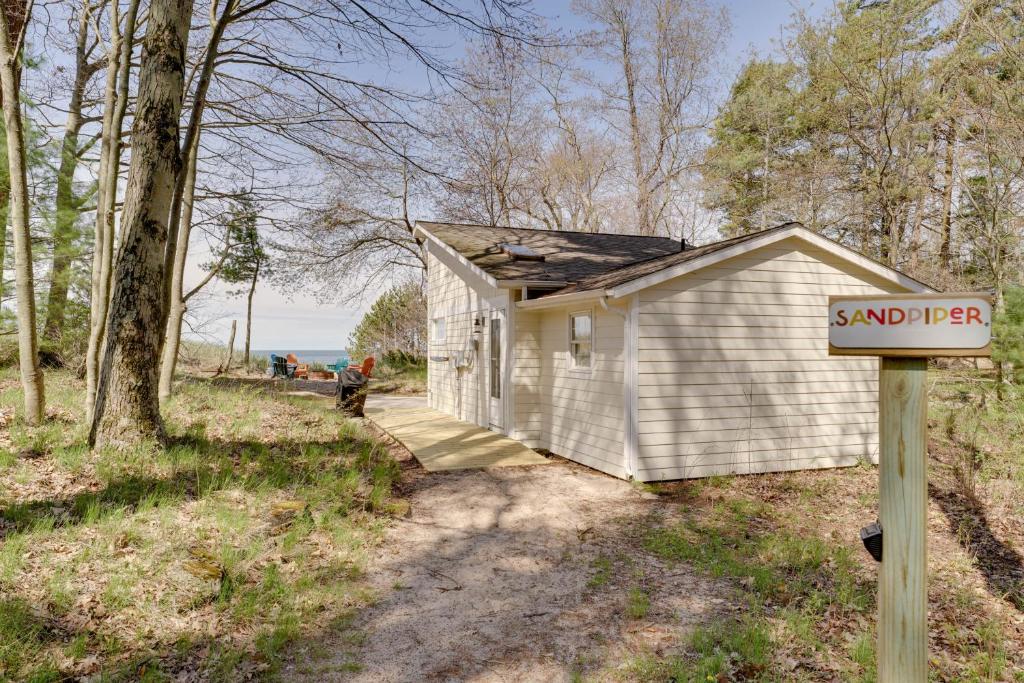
(248, 313)
(172, 336)
(127, 410)
(13, 17)
(642, 199)
(5, 198)
(231, 345)
(115, 104)
(946, 235)
(172, 253)
(65, 230)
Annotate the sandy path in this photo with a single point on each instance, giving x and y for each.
(491, 579)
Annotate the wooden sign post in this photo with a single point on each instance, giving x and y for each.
(904, 331)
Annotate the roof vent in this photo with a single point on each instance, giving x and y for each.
(683, 246)
(518, 252)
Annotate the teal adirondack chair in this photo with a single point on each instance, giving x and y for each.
(338, 366)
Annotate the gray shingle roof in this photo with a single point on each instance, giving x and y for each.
(568, 256)
(619, 276)
(585, 261)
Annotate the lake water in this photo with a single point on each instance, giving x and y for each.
(323, 356)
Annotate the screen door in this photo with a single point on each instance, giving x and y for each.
(496, 368)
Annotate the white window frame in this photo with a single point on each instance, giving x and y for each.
(573, 366)
(438, 329)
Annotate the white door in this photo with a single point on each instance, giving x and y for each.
(496, 368)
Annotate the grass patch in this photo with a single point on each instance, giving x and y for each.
(800, 579)
(787, 545)
(602, 567)
(212, 555)
(727, 651)
(638, 603)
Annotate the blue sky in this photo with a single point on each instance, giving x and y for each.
(285, 322)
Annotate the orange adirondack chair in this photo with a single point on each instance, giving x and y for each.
(301, 369)
(367, 366)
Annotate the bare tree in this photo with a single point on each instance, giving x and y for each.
(66, 204)
(14, 17)
(115, 103)
(127, 407)
(179, 227)
(663, 51)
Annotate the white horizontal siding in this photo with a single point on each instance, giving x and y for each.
(577, 414)
(734, 372)
(458, 298)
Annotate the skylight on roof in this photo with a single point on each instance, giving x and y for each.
(519, 252)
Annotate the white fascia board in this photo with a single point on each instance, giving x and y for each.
(797, 231)
(560, 300)
(440, 249)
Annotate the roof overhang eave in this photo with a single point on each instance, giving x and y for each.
(556, 300)
(541, 284)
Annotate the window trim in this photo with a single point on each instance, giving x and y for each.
(573, 367)
(438, 323)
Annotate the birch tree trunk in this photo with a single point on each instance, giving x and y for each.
(13, 18)
(172, 337)
(65, 208)
(115, 105)
(127, 409)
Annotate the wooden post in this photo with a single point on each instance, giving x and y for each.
(231, 345)
(903, 588)
(904, 330)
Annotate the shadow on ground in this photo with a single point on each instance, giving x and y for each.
(515, 574)
(1001, 565)
(197, 464)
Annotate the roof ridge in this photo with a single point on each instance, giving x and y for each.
(560, 232)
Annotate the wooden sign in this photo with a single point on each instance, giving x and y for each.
(905, 330)
(913, 325)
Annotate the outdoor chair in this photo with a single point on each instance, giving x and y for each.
(366, 367)
(280, 366)
(338, 366)
(300, 370)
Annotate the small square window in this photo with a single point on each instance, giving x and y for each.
(438, 331)
(581, 339)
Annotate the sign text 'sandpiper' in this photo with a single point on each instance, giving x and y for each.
(914, 325)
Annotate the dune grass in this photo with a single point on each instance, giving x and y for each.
(247, 533)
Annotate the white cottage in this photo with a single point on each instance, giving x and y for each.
(644, 358)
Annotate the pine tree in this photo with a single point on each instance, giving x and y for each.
(246, 260)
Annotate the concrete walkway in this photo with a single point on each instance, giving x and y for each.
(440, 442)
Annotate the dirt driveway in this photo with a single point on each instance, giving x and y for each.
(521, 574)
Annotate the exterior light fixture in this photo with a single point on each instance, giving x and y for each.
(871, 535)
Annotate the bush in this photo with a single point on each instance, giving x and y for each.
(401, 361)
(1008, 330)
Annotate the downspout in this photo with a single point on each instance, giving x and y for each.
(630, 377)
(616, 310)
